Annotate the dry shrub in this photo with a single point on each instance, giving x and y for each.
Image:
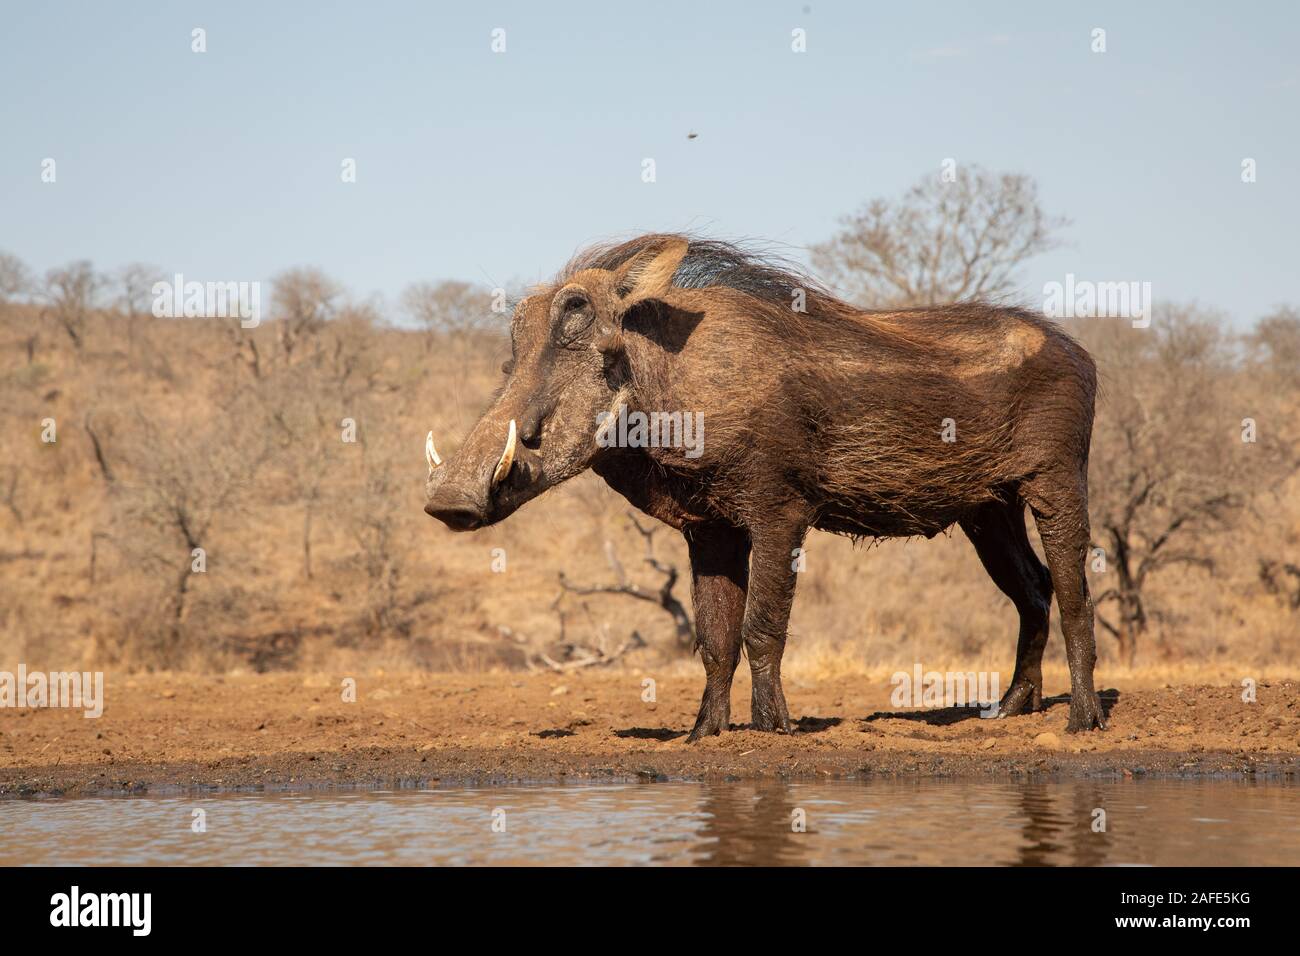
(319, 555)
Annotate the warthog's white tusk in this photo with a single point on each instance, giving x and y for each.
(507, 457)
(431, 453)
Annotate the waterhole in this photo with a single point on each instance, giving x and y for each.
(922, 822)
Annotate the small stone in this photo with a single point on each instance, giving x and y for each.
(988, 744)
(1048, 741)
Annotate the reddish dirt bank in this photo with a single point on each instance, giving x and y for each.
(180, 732)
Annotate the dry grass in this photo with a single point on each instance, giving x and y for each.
(88, 572)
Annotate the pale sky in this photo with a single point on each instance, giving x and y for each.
(495, 167)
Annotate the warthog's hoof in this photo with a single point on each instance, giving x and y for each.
(712, 720)
(1086, 713)
(768, 712)
(1024, 697)
(772, 725)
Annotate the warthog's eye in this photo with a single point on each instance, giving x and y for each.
(508, 367)
(576, 316)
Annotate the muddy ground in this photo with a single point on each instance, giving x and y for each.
(182, 733)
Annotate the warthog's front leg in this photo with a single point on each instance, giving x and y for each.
(719, 579)
(767, 615)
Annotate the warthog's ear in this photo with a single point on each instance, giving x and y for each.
(649, 274)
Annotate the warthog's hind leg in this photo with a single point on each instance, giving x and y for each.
(998, 532)
(1060, 509)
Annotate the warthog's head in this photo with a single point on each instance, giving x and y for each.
(567, 366)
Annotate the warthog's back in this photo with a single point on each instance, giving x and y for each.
(963, 403)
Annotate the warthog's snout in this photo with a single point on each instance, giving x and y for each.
(464, 502)
(462, 515)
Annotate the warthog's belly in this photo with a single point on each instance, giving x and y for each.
(882, 524)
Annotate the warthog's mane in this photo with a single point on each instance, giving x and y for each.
(775, 284)
(712, 263)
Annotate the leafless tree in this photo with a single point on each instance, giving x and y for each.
(350, 352)
(15, 278)
(300, 413)
(183, 482)
(940, 242)
(134, 295)
(70, 294)
(446, 308)
(1275, 342)
(134, 284)
(16, 282)
(662, 596)
(1169, 463)
(304, 299)
(371, 508)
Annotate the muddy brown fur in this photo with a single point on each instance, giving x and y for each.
(816, 415)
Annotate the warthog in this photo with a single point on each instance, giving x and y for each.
(815, 415)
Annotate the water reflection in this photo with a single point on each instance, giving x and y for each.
(749, 825)
(732, 824)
